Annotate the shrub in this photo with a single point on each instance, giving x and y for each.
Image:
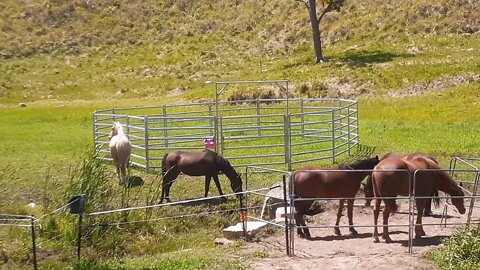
(461, 251)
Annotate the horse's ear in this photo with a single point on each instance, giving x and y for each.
(376, 157)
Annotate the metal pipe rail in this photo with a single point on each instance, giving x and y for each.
(299, 129)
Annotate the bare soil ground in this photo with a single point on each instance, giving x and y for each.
(328, 251)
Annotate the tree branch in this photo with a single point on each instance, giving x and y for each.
(305, 2)
(329, 8)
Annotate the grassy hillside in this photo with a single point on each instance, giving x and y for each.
(90, 50)
(412, 64)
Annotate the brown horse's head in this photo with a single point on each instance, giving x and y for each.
(236, 184)
(458, 201)
(234, 177)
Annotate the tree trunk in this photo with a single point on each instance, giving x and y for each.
(317, 42)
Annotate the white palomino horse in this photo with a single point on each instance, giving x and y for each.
(120, 149)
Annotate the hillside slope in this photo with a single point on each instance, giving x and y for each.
(80, 49)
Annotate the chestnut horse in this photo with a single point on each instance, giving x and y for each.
(311, 183)
(368, 188)
(207, 163)
(394, 183)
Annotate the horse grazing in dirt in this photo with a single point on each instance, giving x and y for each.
(394, 183)
(368, 188)
(120, 150)
(207, 163)
(311, 183)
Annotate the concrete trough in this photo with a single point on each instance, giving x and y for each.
(236, 231)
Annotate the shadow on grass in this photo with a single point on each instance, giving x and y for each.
(362, 58)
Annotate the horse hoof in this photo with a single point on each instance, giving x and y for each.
(376, 240)
(353, 232)
(337, 232)
(388, 240)
(418, 236)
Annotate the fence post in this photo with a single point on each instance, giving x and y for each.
(222, 139)
(94, 122)
(258, 117)
(34, 246)
(287, 224)
(165, 132)
(79, 236)
(210, 117)
(348, 131)
(286, 138)
(147, 158)
(333, 136)
(128, 127)
(302, 116)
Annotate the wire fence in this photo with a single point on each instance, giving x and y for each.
(279, 195)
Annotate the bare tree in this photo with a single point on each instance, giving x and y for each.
(327, 6)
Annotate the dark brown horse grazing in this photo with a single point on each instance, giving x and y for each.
(368, 188)
(394, 183)
(207, 163)
(309, 183)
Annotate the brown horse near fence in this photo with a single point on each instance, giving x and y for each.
(368, 188)
(206, 163)
(310, 182)
(393, 183)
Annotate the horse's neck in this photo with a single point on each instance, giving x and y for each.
(120, 132)
(447, 184)
(228, 170)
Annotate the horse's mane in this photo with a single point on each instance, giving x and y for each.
(225, 165)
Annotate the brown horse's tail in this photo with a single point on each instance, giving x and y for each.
(164, 167)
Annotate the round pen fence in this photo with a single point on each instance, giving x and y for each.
(278, 132)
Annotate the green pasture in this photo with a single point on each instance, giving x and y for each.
(43, 148)
(413, 66)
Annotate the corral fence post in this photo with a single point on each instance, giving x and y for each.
(147, 159)
(34, 246)
(349, 138)
(333, 136)
(286, 138)
(285, 206)
(257, 103)
(165, 131)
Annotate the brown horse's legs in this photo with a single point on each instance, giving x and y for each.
(300, 209)
(419, 232)
(217, 183)
(386, 215)
(376, 212)
(350, 216)
(207, 184)
(339, 215)
(299, 221)
(167, 182)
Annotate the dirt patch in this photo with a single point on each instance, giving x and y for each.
(328, 251)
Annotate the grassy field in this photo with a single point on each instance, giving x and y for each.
(412, 65)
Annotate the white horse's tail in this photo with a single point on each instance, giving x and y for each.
(121, 149)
